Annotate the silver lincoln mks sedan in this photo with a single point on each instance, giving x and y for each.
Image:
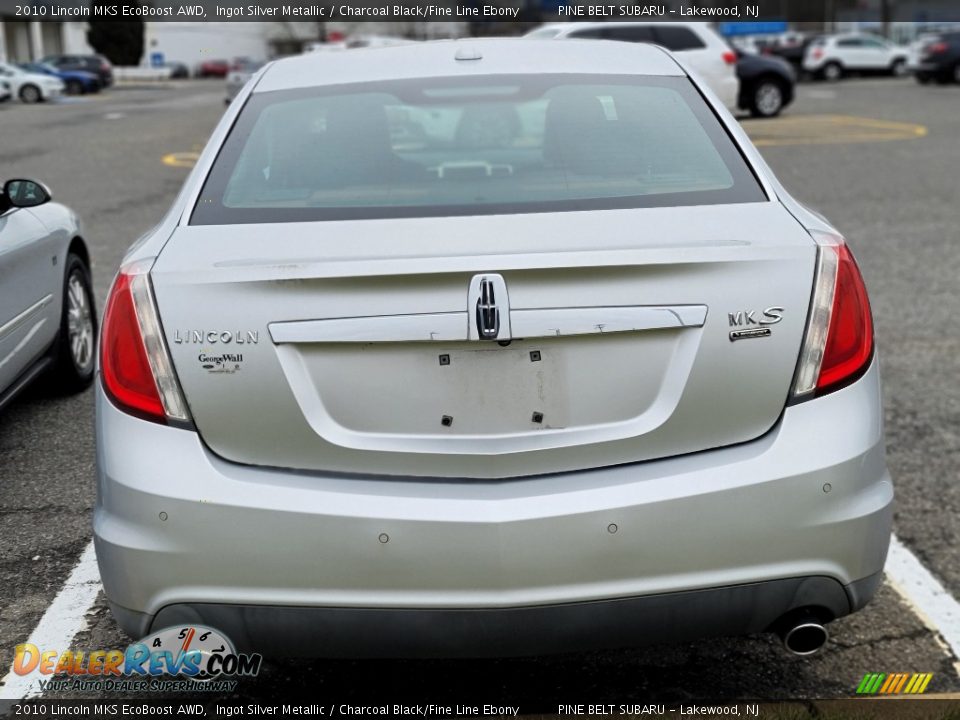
(48, 325)
(488, 348)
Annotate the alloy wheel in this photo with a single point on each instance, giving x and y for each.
(79, 323)
(30, 94)
(768, 99)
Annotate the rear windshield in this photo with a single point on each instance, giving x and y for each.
(471, 146)
(544, 33)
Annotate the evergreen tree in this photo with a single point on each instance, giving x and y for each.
(120, 38)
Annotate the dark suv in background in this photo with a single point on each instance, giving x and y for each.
(940, 59)
(767, 83)
(96, 64)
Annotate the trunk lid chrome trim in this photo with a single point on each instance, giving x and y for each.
(526, 323)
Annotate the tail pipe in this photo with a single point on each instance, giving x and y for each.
(804, 635)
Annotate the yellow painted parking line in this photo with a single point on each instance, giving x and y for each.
(829, 130)
(180, 159)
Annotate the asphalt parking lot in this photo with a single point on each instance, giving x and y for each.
(878, 157)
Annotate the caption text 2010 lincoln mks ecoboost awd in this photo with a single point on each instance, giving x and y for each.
(487, 348)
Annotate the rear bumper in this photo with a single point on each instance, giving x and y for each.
(370, 566)
(626, 622)
(932, 68)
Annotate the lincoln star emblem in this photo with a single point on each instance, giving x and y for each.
(490, 308)
(488, 316)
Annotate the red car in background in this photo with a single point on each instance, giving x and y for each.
(213, 68)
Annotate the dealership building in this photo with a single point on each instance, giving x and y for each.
(192, 42)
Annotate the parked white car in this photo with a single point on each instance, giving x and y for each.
(832, 56)
(31, 87)
(696, 44)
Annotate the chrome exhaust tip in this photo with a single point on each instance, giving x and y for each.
(804, 638)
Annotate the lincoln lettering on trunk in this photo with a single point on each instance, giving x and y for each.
(211, 337)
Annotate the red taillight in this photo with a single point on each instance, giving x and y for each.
(127, 376)
(817, 53)
(730, 57)
(850, 337)
(137, 371)
(838, 342)
(936, 48)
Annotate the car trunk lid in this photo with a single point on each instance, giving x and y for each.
(369, 346)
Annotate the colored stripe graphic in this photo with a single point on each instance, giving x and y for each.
(894, 683)
(890, 683)
(903, 681)
(870, 683)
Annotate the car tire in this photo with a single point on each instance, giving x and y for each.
(77, 340)
(898, 68)
(30, 94)
(766, 99)
(74, 87)
(923, 78)
(831, 72)
(956, 73)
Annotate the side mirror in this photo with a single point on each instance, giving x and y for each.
(25, 193)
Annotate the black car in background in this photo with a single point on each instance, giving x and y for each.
(790, 48)
(178, 70)
(766, 83)
(940, 59)
(96, 64)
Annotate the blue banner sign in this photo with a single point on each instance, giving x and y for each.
(752, 28)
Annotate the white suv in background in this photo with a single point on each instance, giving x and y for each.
(831, 57)
(696, 44)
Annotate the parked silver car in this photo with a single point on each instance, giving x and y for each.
(487, 348)
(47, 316)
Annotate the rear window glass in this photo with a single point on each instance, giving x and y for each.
(467, 146)
(633, 33)
(590, 34)
(544, 33)
(678, 38)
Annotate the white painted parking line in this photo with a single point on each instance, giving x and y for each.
(936, 607)
(66, 616)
